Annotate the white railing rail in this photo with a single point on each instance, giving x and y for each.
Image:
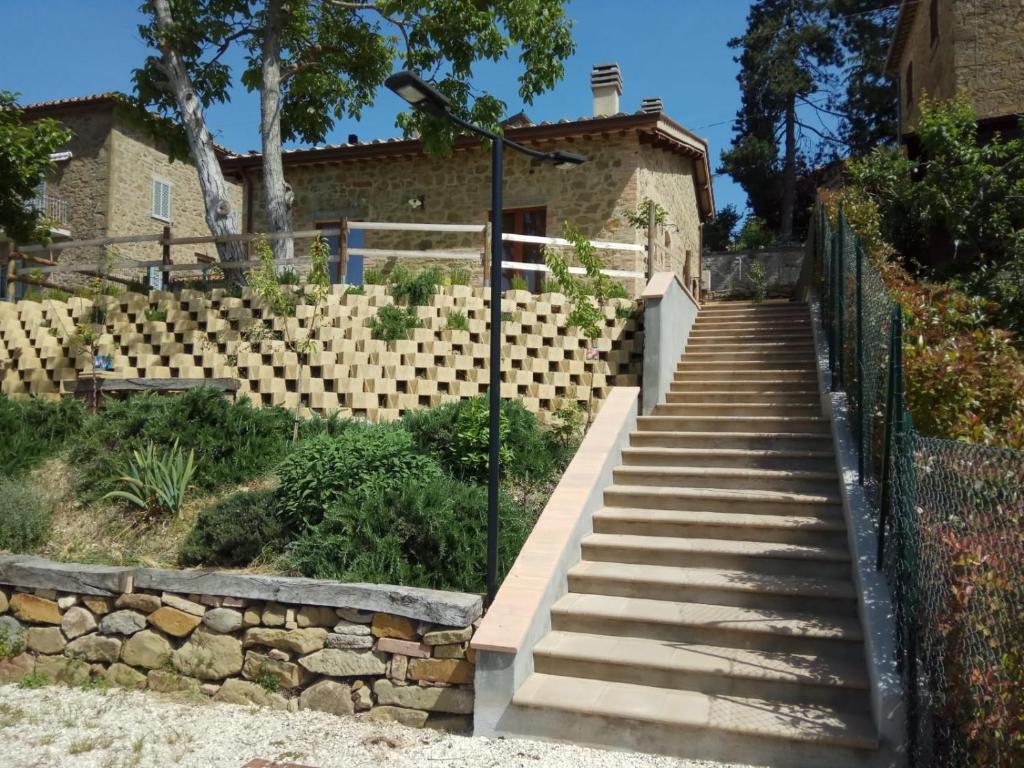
(55, 209)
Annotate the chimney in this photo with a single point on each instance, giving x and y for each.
(652, 106)
(606, 84)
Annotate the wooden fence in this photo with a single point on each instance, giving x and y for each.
(33, 265)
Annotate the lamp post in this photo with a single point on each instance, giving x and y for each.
(427, 99)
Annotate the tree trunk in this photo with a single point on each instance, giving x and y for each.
(279, 196)
(221, 217)
(789, 173)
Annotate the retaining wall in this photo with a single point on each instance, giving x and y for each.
(393, 653)
(545, 363)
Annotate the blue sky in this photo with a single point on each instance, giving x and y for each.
(675, 49)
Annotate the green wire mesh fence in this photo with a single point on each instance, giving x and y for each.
(950, 519)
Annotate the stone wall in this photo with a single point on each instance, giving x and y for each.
(990, 55)
(394, 653)
(84, 180)
(592, 197)
(136, 161)
(730, 272)
(545, 361)
(932, 63)
(670, 181)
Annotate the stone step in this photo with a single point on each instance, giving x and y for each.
(782, 325)
(747, 355)
(721, 500)
(741, 407)
(708, 669)
(804, 377)
(710, 308)
(722, 384)
(721, 625)
(768, 345)
(824, 529)
(817, 461)
(692, 363)
(691, 725)
(731, 478)
(751, 394)
(811, 424)
(727, 554)
(758, 441)
(715, 586)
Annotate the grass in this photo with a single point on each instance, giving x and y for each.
(89, 744)
(33, 680)
(10, 715)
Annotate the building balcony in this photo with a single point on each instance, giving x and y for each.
(55, 210)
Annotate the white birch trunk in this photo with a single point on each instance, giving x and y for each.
(221, 217)
(278, 192)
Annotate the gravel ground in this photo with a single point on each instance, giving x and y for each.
(71, 728)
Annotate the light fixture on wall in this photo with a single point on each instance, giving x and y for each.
(417, 203)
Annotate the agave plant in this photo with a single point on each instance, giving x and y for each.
(157, 481)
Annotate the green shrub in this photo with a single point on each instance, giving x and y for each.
(320, 471)
(423, 533)
(34, 429)
(25, 515)
(156, 314)
(393, 323)
(758, 278)
(459, 276)
(156, 480)
(457, 321)
(518, 283)
(415, 289)
(373, 276)
(625, 311)
(355, 290)
(234, 531)
(233, 441)
(288, 277)
(457, 433)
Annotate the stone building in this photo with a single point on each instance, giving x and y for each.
(630, 158)
(974, 47)
(113, 179)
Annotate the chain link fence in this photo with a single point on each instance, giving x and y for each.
(950, 519)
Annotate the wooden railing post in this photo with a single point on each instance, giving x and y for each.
(343, 250)
(486, 257)
(165, 258)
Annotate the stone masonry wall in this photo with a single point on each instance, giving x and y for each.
(283, 643)
(670, 181)
(990, 55)
(592, 197)
(933, 63)
(545, 361)
(137, 161)
(84, 180)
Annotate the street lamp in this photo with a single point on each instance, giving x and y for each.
(427, 99)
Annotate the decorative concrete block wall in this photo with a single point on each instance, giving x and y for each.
(545, 362)
(393, 653)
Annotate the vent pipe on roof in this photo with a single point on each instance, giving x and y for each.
(606, 85)
(652, 106)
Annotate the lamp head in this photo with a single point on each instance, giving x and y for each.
(419, 94)
(565, 160)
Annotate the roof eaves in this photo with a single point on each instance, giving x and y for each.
(904, 23)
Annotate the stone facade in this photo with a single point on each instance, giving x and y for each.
(945, 47)
(629, 158)
(351, 374)
(108, 184)
(294, 655)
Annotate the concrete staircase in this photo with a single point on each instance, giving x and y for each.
(713, 613)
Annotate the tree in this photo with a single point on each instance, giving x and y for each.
(315, 62)
(868, 101)
(25, 150)
(787, 66)
(718, 232)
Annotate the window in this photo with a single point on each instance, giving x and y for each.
(909, 84)
(161, 200)
(933, 18)
(524, 221)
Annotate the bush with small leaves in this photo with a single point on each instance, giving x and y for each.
(393, 323)
(234, 532)
(415, 289)
(25, 514)
(457, 321)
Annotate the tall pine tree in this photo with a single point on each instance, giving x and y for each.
(868, 101)
(789, 58)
